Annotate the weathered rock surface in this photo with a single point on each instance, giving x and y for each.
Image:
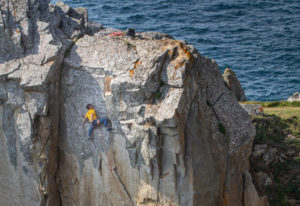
(234, 85)
(253, 109)
(32, 49)
(180, 137)
(294, 97)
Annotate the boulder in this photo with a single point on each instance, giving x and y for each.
(253, 109)
(180, 137)
(234, 85)
(294, 97)
(263, 180)
(259, 150)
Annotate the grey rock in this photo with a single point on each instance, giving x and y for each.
(32, 48)
(263, 179)
(270, 155)
(253, 109)
(93, 27)
(73, 22)
(259, 150)
(234, 85)
(294, 97)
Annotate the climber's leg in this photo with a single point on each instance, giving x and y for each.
(104, 121)
(93, 124)
(91, 130)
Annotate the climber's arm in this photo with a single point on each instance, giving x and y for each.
(84, 119)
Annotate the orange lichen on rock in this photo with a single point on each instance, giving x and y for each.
(225, 200)
(136, 64)
(107, 88)
(179, 65)
(169, 45)
(131, 72)
(190, 57)
(183, 57)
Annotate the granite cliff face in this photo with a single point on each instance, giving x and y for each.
(180, 137)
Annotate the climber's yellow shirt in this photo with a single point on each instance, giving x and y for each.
(89, 115)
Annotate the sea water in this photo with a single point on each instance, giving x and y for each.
(259, 40)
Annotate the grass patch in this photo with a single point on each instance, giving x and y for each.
(277, 124)
(283, 112)
(275, 103)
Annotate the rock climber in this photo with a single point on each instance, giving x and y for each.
(91, 116)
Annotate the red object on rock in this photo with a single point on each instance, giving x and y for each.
(116, 33)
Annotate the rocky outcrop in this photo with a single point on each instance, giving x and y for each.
(253, 109)
(180, 137)
(234, 85)
(294, 97)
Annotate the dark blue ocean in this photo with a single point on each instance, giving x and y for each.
(259, 40)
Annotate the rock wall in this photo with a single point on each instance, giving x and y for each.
(32, 49)
(180, 137)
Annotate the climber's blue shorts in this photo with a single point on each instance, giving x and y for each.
(94, 124)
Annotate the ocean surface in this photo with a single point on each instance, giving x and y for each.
(259, 40)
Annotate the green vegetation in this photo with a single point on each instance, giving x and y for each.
(157, 95)
(275, 103)
(285, 183)
(280, 129)
(222, 128)
(283, 112)
(277, 123)
(280, 191)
